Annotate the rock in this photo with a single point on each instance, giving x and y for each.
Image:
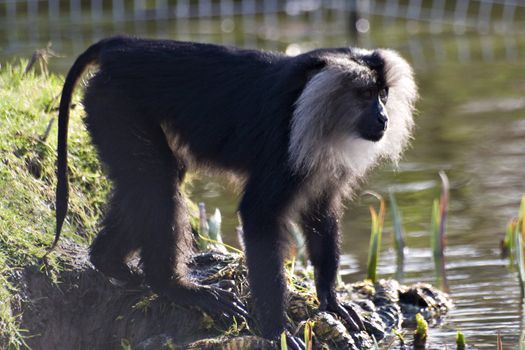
(85, 311)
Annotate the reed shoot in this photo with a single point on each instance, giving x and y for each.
(399, 239)
(518, 246)
(308, 334)
(460, 341)
(375, 237)
(499, 344)
(284, 346)
(438, 227)
(421, 332)
(513, 244)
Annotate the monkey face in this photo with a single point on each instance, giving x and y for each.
(372, 123)
(353, 112)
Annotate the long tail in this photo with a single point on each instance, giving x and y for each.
(62, 192)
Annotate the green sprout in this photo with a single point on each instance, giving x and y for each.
(308, 334)
(399, 240)
(438, 228)
(513, 244)
(518, 245)
(460, 341)
(284, 346)
(399, 336)
(375, 237)
(421, 333)
(508, 247)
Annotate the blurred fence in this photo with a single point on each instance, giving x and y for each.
(261, 23)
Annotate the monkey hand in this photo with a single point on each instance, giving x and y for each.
(222, 303)
(345, 311)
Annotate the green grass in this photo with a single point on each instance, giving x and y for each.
(27, 182)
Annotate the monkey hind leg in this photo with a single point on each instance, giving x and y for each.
(164, 256)
(151, 211)
(111, 248)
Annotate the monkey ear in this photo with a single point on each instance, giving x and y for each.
(314, 67)
(372, 59)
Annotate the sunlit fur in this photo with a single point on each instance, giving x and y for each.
(319, 145)
(293, 128)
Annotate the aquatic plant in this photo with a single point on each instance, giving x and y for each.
(421, 332)
(214, 226)
(203, 228)
(438, 230)
(375, 236)
(399, 240)
(284, 346)
(507, 245)
(399, 336)
(520, 264)
(519, 233)
(298, 246)
(460, 341)
(308, 334)
(513, 244)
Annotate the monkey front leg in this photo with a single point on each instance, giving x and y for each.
(264, 248)
(321, 228)
(264, 225)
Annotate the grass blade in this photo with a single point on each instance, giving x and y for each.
(438, 234)
(436, 241)
(460, 341)
(373, 250)
(378, 220)
(421, 332)
(214, 226)
(399, 239)
(284, 346)
(520, 229)
(507, 246)
(203, 227)
(520, 264)
(308, 334)
(499, 342)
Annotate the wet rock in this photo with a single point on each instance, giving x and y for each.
(85, 310)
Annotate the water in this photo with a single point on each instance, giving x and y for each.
(471, 123)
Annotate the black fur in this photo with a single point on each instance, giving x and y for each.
(229, 109)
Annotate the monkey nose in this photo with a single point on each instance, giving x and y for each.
(383, 121)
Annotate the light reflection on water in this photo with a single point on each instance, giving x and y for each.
(471, 124)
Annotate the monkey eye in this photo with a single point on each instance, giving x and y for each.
(383, 95)
(367, 93)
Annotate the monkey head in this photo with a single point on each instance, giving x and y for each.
(356, 110)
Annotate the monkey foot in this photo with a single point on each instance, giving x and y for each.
(347, 313)
(222, 302)
(121, 275)
(130, 281)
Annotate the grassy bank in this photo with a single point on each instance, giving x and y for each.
(27, 181)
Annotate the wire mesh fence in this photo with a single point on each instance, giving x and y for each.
(273, 24)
